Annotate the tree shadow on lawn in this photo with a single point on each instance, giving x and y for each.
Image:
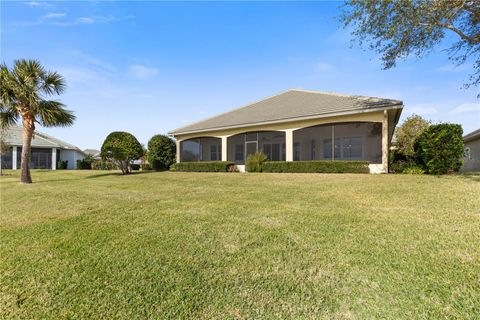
(99, 175)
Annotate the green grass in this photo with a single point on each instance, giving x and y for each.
(86, 244)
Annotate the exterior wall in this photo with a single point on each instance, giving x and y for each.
(71, 156)
(473, 162)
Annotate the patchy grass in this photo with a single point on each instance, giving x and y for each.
(87, 244)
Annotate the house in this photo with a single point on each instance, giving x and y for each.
(296, 125)
(471, 159)
(93, 152)
(46, 151)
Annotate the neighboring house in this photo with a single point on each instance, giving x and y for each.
(296, 125)
(46, 151)
(93, 152)
(471, 159)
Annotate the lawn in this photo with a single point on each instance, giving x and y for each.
(89, 244)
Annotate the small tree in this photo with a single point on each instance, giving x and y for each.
(121, 148)
(408, 132)
(439, 148)
(161, 152)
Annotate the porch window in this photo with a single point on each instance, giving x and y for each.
(239, 152)
(296, 151)
(215, 152)
(352, 148)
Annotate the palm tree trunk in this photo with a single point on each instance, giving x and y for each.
(28, 128)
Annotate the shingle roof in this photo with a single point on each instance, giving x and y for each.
(290, 105)
(14, 137)
(472, 135)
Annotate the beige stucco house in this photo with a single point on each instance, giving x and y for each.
(471, 159)
(296, 125)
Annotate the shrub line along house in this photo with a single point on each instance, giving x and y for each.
(46, 151)
(296, 125)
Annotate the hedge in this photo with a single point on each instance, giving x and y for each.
(319, 166)
(203, 166)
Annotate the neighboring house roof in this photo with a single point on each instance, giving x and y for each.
(92, 152)
(291, 105)
(472, 136)
(14, 137)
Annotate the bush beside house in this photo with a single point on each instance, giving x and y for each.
(161, 152)
(439, 148)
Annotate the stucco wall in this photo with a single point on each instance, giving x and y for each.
(472, 164)
(71, 156)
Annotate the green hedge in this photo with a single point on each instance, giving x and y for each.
(319, 166)
(203, 166)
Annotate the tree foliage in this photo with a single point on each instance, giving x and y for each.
(408, 132)
(24, 93)
(439, 148)
(398, 28)
(121, 148)
(161, 152)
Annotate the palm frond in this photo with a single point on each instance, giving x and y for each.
(8, 118)
(51, 113)
(53, 83)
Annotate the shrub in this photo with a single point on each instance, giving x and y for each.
(413, 170)
(85, 163)
(121, 148)
(62, 165)
(204, 166)
(161, 152)
(439, 148)
(135, 166)
(320, 166)
(255, 162)
(145, 166)
(103, 165)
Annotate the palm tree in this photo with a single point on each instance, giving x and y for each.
(24, 92)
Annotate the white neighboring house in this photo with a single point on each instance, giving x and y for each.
(46, 151)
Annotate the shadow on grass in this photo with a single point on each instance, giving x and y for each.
(99, 175)
(474, 176)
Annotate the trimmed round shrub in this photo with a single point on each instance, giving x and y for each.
(121, 148)
(439, 148)
(161, 152)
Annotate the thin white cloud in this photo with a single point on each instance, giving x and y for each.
(422, 109)
(142, 72)
(452, 68)
(53, 15)
(466, 107)
(32, 4)
(323, 66)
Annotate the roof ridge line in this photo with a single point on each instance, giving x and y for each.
(338, 94)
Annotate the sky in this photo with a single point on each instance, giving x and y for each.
(150, 67)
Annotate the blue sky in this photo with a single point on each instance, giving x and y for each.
(149, 67)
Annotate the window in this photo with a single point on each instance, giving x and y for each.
(312, 150)
(327, 148)
(466, 153)
(296, 151)
(267, 149)
(216, 152)
(345, 148)
(191, 150)
(239, 152)
(352, 148)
